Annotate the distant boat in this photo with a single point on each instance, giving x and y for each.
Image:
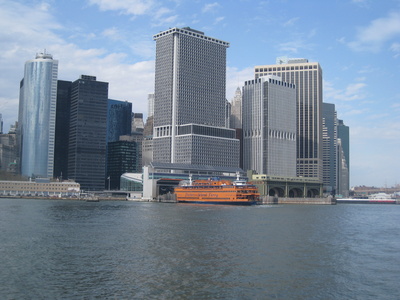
(217, 191)
(91, 198)
(366, 201)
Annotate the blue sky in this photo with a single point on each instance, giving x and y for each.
(357, 43)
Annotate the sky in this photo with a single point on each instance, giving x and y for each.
(356, 42)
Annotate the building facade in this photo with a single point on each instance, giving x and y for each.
(189, 100)
(62, 129)
(8, 153)
(137, 123)
(41, 189)
(343, 133)
(343, 152)
(119, 119)
(329, 121)
(87, 134)
(269, 126)
(335, 152)
(307, 77)
(122, 157)
(37, 116)
(1, 124)
(236, 110)
(150, 105)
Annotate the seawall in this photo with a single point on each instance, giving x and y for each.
(282, 200)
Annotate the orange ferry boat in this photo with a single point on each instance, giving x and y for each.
(216, 191)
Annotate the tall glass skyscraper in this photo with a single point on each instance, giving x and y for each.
(37, 115)
(189, 100)
(329, 120)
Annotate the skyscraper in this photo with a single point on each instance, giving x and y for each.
(307, 78)
(119, 119)
(62, 129)
(343, 133)
(150, 105)
(343, 152)
(269, 126)
(236, 110)
(335, 152)
(122, 157)
(329, 135)
(87, 134)
(1, 124)
(37, 115)
(189, 100)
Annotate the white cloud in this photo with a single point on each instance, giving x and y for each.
(218, 20)
(131, 7)
(353, 91)
(294, 46)
(112, 33)
(368, 69)
(396, 105)
(164, 21)
(211, 7)
(378, 32)
(290, 22)
(361, 3)
(159, 14)
(34, 30)
(31, 31)
(341, 40)
(395, 47)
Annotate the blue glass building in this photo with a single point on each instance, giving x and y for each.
(119, 119)
(37, 113)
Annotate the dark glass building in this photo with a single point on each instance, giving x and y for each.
(62, 129)
(87, 134)
(122, 158)
(119, 119)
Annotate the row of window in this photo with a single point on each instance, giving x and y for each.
(286, 68)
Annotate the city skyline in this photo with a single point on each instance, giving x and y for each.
(357, 55)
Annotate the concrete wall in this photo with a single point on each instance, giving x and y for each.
(281, 200)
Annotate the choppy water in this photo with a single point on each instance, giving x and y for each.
(129, 250)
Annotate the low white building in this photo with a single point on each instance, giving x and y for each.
(40, 188)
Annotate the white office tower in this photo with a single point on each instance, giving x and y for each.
(343, 183)
(307, 77)
(189, 100)
(236, 110)
(37, 114)
(269, 126)
(150, 105)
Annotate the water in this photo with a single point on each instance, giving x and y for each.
(128, 250)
